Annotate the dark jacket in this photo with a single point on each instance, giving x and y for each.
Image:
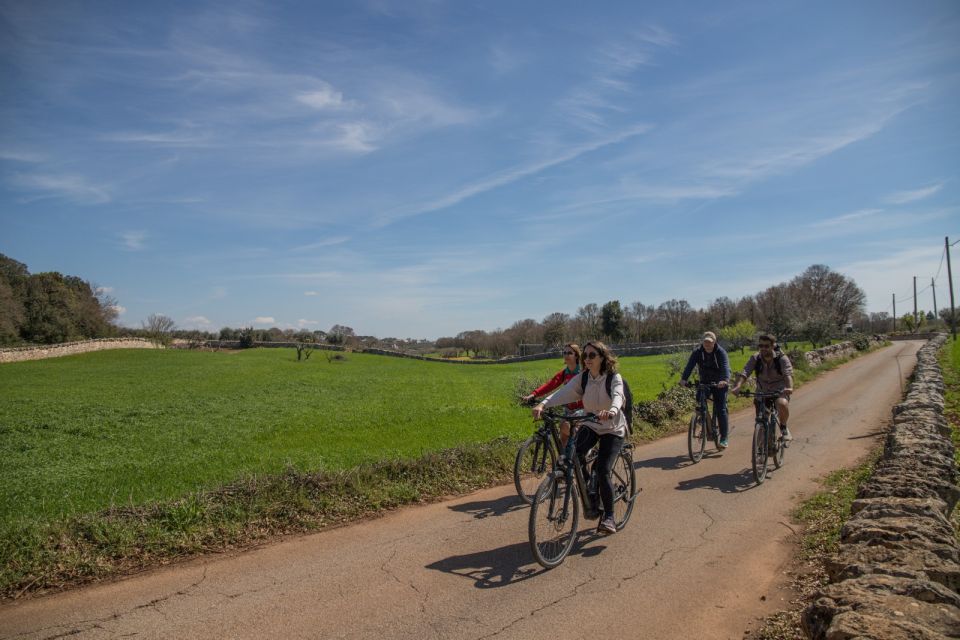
(713, 367)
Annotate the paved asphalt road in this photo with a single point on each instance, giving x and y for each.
(702, 557)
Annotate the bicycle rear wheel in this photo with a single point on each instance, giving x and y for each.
(554, 518)
(624, 479)
(778, 450)
(535, 459)
(697, 437)
(759, 452)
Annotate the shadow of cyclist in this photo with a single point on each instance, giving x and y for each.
(507, 565)
(722, 482)
(665, 463)
(487, 508)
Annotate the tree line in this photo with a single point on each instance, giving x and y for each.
(815, 305)
(50, 307)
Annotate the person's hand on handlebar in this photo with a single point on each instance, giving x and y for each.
(722, 384)
(537, 411)
(684, 383)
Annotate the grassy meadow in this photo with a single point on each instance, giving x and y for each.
(83, 433)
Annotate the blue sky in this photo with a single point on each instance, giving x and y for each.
(416, 169)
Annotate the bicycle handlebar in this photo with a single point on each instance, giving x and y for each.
(761, 394)
(559, 417)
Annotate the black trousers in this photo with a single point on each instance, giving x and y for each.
(610, 446)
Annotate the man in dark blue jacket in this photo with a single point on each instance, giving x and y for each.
(714, 366)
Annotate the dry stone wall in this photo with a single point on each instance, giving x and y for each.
(897, 573)
(20, 354)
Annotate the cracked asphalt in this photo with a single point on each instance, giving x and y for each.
(703, 556)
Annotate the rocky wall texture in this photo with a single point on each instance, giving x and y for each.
(897, 572)
(818, 356)
(20, 354)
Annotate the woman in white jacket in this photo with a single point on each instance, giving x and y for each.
(610, 430)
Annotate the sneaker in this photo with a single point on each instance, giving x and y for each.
(723, 443)
(787, 436)
(607, 526)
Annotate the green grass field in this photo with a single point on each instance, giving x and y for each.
(82, 433)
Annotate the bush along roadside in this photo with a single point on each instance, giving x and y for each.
(896, 573)
(81, 549)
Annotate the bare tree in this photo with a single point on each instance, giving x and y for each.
(159, 327)
(555, 329)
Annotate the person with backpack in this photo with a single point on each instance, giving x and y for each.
(602, 391)
(571, 369)
(774, 374)
(713, 366)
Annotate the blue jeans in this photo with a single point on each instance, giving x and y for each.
(610, 446)
(719, 397)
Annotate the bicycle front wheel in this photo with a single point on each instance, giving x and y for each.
(697, 437)
(760, 452)
(778, 443)
(624, 479)
(535, 459)
(554, 518)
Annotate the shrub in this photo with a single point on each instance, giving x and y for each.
(798, 359)
(670, 403)
(860, 341)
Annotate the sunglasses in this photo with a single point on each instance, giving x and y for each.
(590, 355)
(766, 346)
(569, 353)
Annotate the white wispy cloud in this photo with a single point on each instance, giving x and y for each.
(311, 293)
(70, 187)
(848, 217)
(17, 155)
(104, 290)
(511, 175)
(264, 320)
(120, 310)
(304, 323)
(903, 197)
(327, 242)
(198, 321)
(323, 97)
(219, 293)
(133, 240)
(162, 139)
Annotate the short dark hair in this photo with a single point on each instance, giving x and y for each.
(768, 338)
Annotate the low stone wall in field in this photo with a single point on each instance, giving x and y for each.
(831, 352)
(20, 354)
(897, 573)
(548, 355)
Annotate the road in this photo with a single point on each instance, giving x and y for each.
(703, 556)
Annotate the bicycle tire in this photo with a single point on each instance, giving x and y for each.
(779, 451)
(553, 529)
(759, 452)
(715, 430)
(624, 478)
(696, 437)
(531, 466)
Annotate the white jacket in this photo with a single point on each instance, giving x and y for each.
(595, 400)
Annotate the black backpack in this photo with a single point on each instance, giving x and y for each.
(777, 355)
(627, 396)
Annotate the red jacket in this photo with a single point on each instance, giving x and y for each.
(563, 376)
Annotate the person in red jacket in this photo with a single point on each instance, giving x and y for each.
(571, 369)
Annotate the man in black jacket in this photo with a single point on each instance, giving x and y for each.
(714, 366)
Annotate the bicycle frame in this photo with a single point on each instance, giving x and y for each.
(567, 461)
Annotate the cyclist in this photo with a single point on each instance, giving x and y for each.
(610, 430)
(774, 374)
(571, 361)
(714, 367)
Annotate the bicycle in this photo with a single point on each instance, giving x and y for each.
(536, 456)
(555, 512)
(698, 430)
(767, 440)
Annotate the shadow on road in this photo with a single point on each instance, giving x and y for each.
(486, 508)
(674, 462)
(509, 564)
(722, 482)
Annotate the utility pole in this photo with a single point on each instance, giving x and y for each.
(916, 321)
(953, 313)
(933, 285)
(894, 312)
